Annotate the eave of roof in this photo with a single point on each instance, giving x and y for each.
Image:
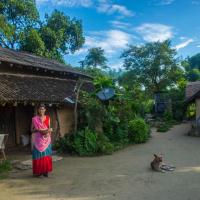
(31, 88)
(31, 60)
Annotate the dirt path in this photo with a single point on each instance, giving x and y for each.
(122, 176)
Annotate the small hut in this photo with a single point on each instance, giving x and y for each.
(192, 95)
(25, 81)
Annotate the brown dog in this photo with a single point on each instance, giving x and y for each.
(158, 165)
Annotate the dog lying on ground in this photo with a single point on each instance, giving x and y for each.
(158, 165)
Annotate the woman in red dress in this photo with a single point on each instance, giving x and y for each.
(41, 143)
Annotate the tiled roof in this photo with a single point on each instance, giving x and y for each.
(31, 60)
(192, 89)
(31, 88)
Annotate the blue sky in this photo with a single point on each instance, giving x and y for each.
(113, 24)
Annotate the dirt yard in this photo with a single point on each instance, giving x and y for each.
(125, 175)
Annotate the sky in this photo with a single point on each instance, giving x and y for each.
(113, 24)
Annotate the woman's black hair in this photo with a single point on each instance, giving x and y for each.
(41, 105)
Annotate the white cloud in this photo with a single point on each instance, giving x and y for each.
(196, 3)
(104, 6)
(154, 32)
(67, 3)
(112, 41)
(167, 2)
(110, 8)
(120, 25)
(184, 44)
(118, 65)
(182, 38)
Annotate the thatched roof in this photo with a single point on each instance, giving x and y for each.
(30, 88)
(30, 60)
(192, 91)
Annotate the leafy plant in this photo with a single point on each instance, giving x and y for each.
(138, 130)
(103, 145)
(5, 167)
(85, 142)
(164, 127)
(168, 116)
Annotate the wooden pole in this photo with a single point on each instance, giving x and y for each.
(77, 91)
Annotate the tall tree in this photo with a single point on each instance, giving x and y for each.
(153, 65)
(21, 28)
(192, 67)
(194, 61)
(96, 58)
(16, 16)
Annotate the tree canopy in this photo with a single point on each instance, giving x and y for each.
(192, 67)
(153, 65)
(95, 58)
(22, 29)
(16, 17)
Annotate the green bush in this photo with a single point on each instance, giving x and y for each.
(168, 116)
(138, 131)
(5, 167)
(64, 144)
(85, 142)
(103, 144)
(163, 127)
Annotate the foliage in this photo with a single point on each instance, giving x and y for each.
(84, 143)
(103, 144)
(192, 68)
(138, 130)
(33, 43)
(177, 96)
(102, 82)
(153, 65)
(191, 111)
(21, 28)
(17, 16)
(64, 144)
(114, 128)
(95, 58)
(92, 110)
(164, 127)
(194, 61)
(168, 115)
(5, 167)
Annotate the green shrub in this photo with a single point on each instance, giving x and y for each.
(85, 142)
(103, 144)
(168, 115)
(64, 144)
(138, 131)
(5, 167)
(163, 127)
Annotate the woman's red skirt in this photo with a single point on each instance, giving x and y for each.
(42, 161)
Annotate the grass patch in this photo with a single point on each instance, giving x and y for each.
(163, 128)
(5, 167)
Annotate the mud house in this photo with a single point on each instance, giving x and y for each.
(25, 81)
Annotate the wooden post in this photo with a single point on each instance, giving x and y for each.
(58, 125)
(76, 91)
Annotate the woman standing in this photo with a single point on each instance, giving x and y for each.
(41, 143)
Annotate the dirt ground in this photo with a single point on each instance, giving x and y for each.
(125, 175)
